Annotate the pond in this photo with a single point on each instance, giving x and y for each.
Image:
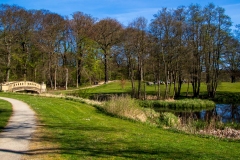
(222, 112)
(226, 112)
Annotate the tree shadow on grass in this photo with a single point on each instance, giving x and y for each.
(79, 141)
(86, 140)
(4, 116)
(227, 97)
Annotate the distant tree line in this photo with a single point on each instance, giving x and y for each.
(191, 45)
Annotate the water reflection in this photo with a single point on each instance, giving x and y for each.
(222, 112)
(228, 112)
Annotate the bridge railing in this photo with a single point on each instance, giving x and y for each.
(23, 85)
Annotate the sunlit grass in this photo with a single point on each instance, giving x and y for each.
(229, 87)
(84, 132)
(116, 87)
(224, 88)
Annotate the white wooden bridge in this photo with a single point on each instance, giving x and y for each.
(17, 86)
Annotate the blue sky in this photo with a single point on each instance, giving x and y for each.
(123, 10)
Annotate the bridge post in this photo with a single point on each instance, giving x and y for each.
(4, 87)
(43, 87)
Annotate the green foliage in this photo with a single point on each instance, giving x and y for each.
(227, 97)
(169, 119)
(233, 125)
(179, 104)
(199, 124)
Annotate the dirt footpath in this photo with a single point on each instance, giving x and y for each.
(14, 139)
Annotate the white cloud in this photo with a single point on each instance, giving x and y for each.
(233, 12)
(128, 17)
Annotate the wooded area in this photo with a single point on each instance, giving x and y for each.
(191, 45)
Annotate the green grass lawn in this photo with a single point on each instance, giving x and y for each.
(5, 113)
(83, 132)
(229, 87)
(116, 87)
(224, 89)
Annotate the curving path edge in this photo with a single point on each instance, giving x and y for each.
(14, 139)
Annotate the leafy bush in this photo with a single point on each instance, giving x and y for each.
(169, 119)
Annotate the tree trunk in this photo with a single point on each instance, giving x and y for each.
(55, 78)
(79, 72)
(179, 85)
(35, 74)
(145, 95)
(166, 82)
(139, 74)
(25, 47)
(77, 75)
(106, 66)
(141, 70)
(66, 78)
(8, 62)
(233, 79)
(174, 83)
(158, 80)
(131, 77)
(187, 89)
(50, 71)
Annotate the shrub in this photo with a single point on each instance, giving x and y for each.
(169, 119)
(129, 108)
(125, 107)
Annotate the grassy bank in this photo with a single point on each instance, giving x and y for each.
(5, 113)
(83, 132)
(226, 91)
(179, 104)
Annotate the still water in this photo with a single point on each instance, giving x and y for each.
(222, 112)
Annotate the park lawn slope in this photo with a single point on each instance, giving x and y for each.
(115, 87)
(83, 132)
(5, 113)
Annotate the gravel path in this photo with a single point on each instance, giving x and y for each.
(14, 139)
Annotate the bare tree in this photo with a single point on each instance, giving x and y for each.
(140, 44)
(107, 34)
(164, 28)
(216, 31)
(130, 53)
(231, 58)
(25, 33)
(66, 54)
(49, 35)
(82, 29)
(195, 22)
(8, 24)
